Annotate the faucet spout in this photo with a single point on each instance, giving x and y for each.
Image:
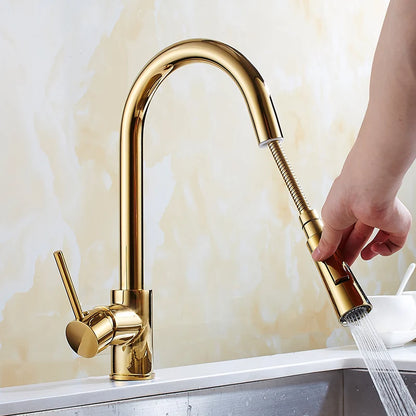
(260, 106)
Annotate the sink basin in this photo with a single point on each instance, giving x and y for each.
(320, 382)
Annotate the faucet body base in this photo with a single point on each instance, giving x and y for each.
(133, 360)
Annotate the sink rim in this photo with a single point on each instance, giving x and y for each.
(93, 390)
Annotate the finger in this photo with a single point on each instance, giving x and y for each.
(346, 233)
(383, 244)
(329, 242)
(352, 245)
(393, 237)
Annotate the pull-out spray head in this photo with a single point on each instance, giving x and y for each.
(343, 288)
(346, 294)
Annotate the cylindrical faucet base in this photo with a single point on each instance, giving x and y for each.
(133, 361)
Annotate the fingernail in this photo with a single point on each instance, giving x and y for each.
(374, 247)
(316, 254)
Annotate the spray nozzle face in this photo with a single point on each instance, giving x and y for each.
(354, 314)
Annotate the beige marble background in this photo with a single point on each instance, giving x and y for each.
(225, 255)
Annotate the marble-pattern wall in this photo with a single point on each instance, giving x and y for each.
(225, 255)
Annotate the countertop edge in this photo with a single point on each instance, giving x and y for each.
(93, 390)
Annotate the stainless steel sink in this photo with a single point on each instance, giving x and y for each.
(330, 393)
(327, 382)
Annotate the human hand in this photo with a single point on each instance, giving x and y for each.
(351, 215)
(363, 198)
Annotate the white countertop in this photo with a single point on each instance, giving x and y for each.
(79, 392)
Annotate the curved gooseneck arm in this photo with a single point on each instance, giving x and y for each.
(258, 101)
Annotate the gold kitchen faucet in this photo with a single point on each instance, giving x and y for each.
(126, 324)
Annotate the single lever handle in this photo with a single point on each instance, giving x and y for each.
(94, 330)
(69, 286)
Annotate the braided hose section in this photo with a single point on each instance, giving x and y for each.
(288, 176)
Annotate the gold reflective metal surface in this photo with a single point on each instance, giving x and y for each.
(344, 291)
(259, 104)
(132, 360)
(92, 336)
(69, 287)
(122, 323)
(126, 324)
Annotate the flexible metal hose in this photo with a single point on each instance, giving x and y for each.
(288, 176)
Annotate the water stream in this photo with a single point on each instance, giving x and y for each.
(390, 386)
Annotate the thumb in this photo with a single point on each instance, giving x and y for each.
(328, 244)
